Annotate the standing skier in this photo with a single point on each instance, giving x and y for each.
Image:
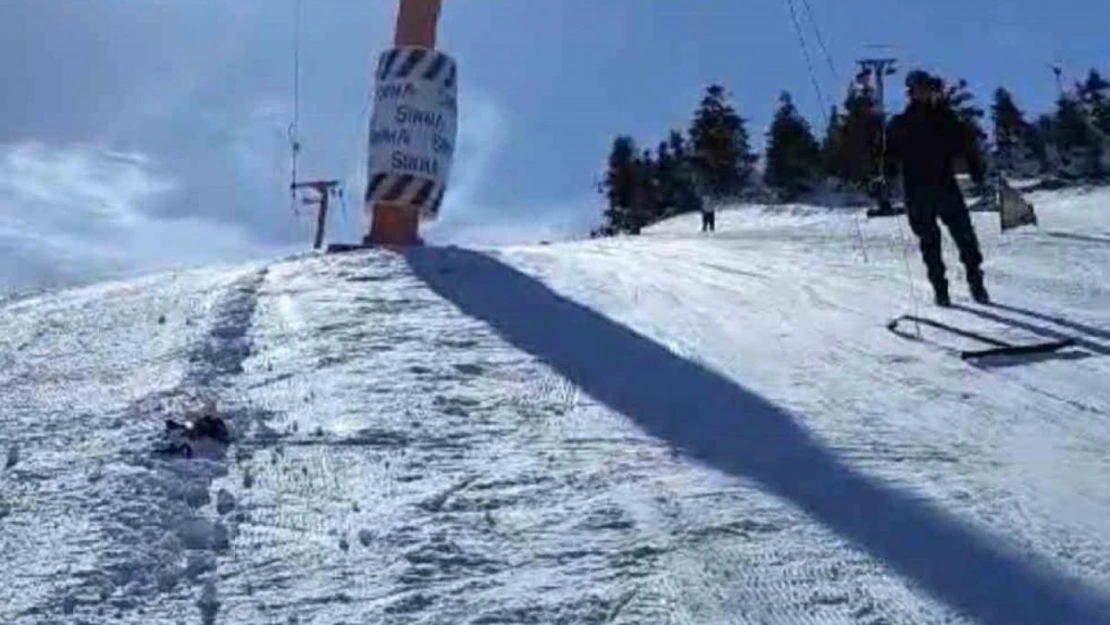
(708, 218)
(924, 141)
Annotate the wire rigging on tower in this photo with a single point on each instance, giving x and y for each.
(820, 39)
(792, 8)
(823, 103)
(294, 125)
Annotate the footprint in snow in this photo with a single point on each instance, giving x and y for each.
(225, 502)
(208, 604)
(13, 457)
(469, 369)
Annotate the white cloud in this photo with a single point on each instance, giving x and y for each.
(484, 128)
(69, 214)
(491, 228)
(483, 131)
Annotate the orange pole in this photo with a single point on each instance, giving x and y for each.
(416, 23)
(394, 223)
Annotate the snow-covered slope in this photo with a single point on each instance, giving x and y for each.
(676, 428)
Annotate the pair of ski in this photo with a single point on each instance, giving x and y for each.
(992, 347)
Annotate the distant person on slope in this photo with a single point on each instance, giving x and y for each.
(924, 141)
(708, 218)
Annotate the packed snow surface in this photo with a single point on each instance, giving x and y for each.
(674, 428)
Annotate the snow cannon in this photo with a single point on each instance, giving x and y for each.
(413, 129)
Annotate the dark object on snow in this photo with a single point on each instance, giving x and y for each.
(708, 221)
(343, 248)
(924, 142)
(886, 209)
(978, 289)
(879, 191)
(941, 297)
(13, 456)
(1015, 210)
(1051, 183)
(182, 435)
(975, 283)
(997, 347)
(205, 426)
(346, 248)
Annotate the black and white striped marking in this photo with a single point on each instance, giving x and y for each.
(406, 189)
(417, 63)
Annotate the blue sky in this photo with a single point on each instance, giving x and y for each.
(143, 134)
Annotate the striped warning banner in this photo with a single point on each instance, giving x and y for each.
(406, 189)
(417, 63)
(413, 129)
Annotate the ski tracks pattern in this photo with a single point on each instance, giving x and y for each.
(425, 471)
(146, 549)
(812, 342)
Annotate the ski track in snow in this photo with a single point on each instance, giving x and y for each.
(98, 526)
(398, 461)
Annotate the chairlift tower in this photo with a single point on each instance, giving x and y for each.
(324, 189)
(877, 69)
(1059, 72)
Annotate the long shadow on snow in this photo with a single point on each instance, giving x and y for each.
(1056, 319)
(1079, 237)
(734, 430)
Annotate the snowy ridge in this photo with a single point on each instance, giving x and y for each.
(669, 429)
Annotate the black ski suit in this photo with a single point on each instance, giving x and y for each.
(924, 142)
(708, 221)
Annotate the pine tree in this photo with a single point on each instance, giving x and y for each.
(1008, 122)
(679, 148)
(1045, 127)
(619, 185)
(830, 145)
(687, 197)
(666, 180)
(793, 155)
(857, 141)
(1073, 135)
(1095, 95)
(962, 101)
(1077, 134)
(645, 196)
(1017, 146)
(721, 156)
(1038, 149)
